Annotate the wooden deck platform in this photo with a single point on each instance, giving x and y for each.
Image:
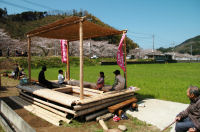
(66, 99)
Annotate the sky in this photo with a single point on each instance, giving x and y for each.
(170, 21)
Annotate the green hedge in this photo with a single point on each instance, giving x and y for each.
(52, 61)
(37, 62)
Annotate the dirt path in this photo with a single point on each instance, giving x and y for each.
(40, 125)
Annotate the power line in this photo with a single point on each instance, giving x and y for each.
(43, 6)
(139, 33)
(153, 43)
(15, 5)
(142, 37)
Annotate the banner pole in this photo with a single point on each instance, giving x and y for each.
(81, 58)
(68, 65)
(125, 73)
(29, 58)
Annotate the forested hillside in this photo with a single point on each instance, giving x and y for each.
(188, 46)
(16, 25)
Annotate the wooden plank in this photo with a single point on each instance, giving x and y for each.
(96, 114)
(49, 94)
(71, 90)
(105, 117)
(50, 104)
(102, 106)
(86, 93)
(63, 90)
(45, 107)
(113, 108)
(92, 104)
(104, 96)
(38, 111)
(104, 126)
(75, 84)
(87, 89)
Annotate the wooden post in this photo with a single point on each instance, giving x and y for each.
(81, 58)
(29, 58)
(125, 73)
(0, 80)
(68, 64)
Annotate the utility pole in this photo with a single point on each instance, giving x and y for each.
(153, 45)
(173, 44)
(191, 49)
(55, 48)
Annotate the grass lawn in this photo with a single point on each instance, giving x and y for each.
(162, 81)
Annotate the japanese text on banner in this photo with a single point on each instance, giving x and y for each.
(64, 50)
(120, 56)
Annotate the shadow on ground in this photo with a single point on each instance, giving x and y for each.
(141, 97)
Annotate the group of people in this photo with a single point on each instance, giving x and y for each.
(119, 83)
(17, 72)
(44, 82)
(22, 53)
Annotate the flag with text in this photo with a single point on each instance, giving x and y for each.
(63, 46)
(120, 56)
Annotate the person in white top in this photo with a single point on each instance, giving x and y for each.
(61, 78)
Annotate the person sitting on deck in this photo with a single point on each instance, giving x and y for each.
(42, 80)
(100, 81)
(21, 71)
(189, 119)
(119, 83)
(61, 78)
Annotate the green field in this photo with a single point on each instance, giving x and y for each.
(162, 81)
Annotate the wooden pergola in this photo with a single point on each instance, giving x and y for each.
(71, 29)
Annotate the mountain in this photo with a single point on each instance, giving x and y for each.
(186, 46)
(192, 44)
(17, 25)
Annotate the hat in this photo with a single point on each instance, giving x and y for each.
(116, 72)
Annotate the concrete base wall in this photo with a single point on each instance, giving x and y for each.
(14, 118)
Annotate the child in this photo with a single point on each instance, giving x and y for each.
(61, 77)
(100, 81)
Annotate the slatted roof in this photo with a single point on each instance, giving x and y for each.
(68, 28)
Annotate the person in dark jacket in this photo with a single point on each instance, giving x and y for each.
(16, 70)
(189, 119)
(42, 80)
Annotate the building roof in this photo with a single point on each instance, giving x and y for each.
(68, 29)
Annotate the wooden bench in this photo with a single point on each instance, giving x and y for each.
(116, 107)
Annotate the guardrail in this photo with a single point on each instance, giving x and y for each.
(153, 62)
